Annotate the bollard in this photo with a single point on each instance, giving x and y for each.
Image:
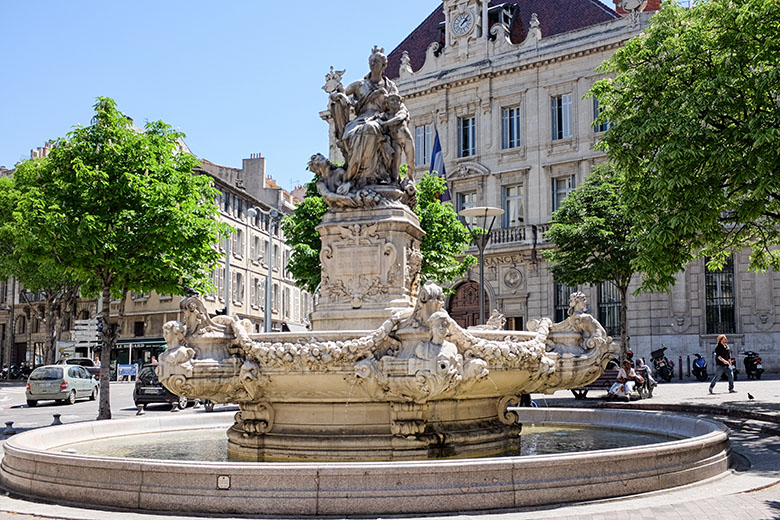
(688, 364)
(140, 409)
(56, 419)
(679, 361)
(175, 407)
(9, 428)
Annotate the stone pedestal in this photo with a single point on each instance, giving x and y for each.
(370, 260)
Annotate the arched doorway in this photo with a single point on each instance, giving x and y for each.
(464, 304)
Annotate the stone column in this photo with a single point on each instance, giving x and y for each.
(370, 260)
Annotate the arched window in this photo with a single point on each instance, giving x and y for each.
(21, 325)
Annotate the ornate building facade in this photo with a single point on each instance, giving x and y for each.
(503, 84)
(248, 200)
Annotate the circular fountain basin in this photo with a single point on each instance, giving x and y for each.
(35, 465)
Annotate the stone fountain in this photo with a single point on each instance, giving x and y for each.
(367, 413)
(386, 373)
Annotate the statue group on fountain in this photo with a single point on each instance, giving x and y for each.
(373, 142)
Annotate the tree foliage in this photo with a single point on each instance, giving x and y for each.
(695, 102)
(301, 234)
(25, 260)
(593, 238)
(446, 237)
(119, 209)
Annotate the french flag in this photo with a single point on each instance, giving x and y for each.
(437, 165)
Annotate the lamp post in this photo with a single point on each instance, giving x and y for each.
(273, 220)
(227, 275)
(481, 240)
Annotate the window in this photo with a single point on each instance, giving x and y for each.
(3, 293)
(256, 249)
(719, 286)
(467, 199)
(277, 258)
(561, 187)
(609, 308)
(237, 289)
(138, 328)
(561, 116)
(561, 295)
(275, 298)
(21, 325)
(258, 292)
(139, 296)
(466, 137)
(286, 302)
(513, 205)
(510, 127)
(238, 243)
(423, 144)
(221, 282)
(215, 279)
(602, 127)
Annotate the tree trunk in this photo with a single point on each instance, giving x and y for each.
(50, 348)
(624, 347)
(108, 340)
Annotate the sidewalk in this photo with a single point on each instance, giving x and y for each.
(750, 491)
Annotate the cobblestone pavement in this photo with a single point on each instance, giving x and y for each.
(750, 491)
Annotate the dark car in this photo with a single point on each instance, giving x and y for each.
(85, 362)
(148, 389)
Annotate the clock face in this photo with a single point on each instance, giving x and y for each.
(631, 5)
(462, 23)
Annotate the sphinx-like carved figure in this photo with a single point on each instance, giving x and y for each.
(585, 326)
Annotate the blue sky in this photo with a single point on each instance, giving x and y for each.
(237, 77)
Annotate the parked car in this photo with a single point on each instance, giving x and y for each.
(148, 389)
(62, 383)
(85, 362)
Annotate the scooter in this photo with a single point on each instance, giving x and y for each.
(699, 368)
(661, 364)
(753, 366)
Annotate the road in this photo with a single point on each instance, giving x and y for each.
(13, 407)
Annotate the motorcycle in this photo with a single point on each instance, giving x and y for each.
(661, 364)
(699, 368)
(20, 371)
(753, 366)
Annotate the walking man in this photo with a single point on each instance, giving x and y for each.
(723, 363)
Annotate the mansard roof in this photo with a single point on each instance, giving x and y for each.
(555, 17)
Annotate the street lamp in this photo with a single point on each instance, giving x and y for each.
(481, 240)
(274, 217)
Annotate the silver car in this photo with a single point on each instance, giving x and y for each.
(63, 383)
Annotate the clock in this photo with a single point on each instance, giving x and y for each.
(463, 23)
(633, 5)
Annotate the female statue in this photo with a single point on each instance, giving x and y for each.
(365, 144)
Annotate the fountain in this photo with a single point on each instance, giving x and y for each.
(387, 405)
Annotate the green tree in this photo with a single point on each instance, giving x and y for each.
(593, 238)
(120, 209)
(25, 260)
(300, 233)
(446, 237)
(695, 102)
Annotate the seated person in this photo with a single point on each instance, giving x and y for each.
(625, 381)
(643, 371)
